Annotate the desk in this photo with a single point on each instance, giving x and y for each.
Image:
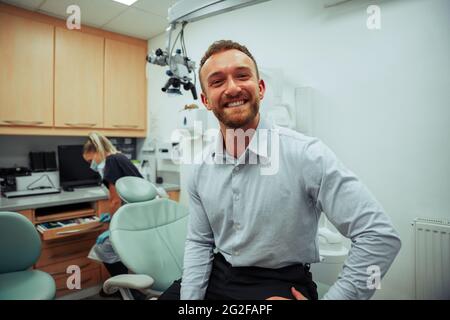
(42, 201)
(66, 246)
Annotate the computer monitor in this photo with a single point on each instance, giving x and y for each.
(74, 171)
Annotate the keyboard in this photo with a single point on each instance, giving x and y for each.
(26, 193)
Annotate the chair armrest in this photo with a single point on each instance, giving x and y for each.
(130, 281)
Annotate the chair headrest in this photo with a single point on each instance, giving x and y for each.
(20, 244)
(134, 189)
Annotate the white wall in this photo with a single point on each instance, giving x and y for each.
(381, 97)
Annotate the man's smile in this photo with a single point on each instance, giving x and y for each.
(235, 103)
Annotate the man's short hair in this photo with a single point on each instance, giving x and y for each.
(224, 45)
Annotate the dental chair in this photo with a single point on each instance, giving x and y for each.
(148, 234)
(20, 248)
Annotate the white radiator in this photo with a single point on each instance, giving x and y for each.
(432, 237)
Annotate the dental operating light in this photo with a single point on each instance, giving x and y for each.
(180, 66)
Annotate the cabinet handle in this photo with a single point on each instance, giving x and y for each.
(82, 282)
(60, 233)
(80, 124)
(24, 123)
(125, 126)
(92, 229)
(63, 272)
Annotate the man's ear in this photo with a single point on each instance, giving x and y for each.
(262, 89)
(205, 101)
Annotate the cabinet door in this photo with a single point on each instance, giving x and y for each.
(125, 86)
(174, 195)
(78, 79)
(26, 77)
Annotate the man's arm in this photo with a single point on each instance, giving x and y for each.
(198, 254)
(354, 211)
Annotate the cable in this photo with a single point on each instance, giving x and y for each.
(171, 49)
(185, 53)
(173, 46)
(183, 44)
(44, 176)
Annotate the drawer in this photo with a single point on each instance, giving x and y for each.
(71, 231)
(66, 252)
(89, 278)
(60, 269)
(70, 240)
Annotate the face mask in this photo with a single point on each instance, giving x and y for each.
(98, 167)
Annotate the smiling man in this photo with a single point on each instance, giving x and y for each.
(239, 107)
(253, 236)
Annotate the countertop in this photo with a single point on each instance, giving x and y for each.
(65, 197)
(56, 199)
(169, 186)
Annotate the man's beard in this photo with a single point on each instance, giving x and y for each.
(240, 121)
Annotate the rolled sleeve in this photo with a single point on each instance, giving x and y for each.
(355, 212)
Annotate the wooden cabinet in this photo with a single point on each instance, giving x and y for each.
(78, 79)
(125, 85)
(26, 77)
(57, 258)
(174, 195)
(29, 214)
(71, 246)
(61, 82)
(89, 278)
(52, 256)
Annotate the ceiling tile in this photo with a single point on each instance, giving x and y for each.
(158, 7)
(137, 23)
(52, 14)
(27, 4)
(94, 13)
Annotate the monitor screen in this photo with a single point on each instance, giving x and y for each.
(74, 171)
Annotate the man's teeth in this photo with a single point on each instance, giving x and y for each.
(236, 103)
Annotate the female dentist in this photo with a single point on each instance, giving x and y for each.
(111, 165)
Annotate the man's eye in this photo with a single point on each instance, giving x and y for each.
(216, 82)
(243, 76)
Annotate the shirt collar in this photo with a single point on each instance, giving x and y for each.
(259, 145)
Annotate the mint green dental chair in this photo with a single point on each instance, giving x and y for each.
(148, 234)
(20, 248)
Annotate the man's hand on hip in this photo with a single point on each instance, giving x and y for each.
(297, 295)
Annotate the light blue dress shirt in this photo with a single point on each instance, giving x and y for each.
(270, 218)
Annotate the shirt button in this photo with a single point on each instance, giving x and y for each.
(236, 252)
(237, 226)
(236, 197)
(236, 169)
